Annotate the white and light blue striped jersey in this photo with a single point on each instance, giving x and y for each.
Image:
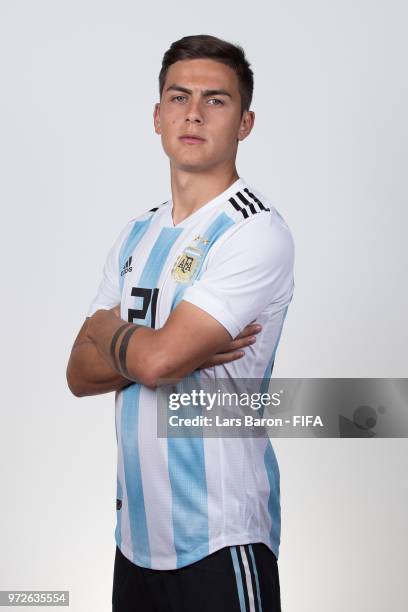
(180, 499)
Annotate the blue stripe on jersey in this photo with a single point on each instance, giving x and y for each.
(258, 591)
(136, 234)
(130, 407)
(272, 470)
(238, 577)
(271, 464)
(186, 465)
(156, 260)
(268, 370)
(133, 474)
(118, 531)
(212, 233)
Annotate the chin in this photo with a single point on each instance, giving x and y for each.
(188, 167)
(190, 163)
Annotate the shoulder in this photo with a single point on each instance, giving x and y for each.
(143, 219)
(135, 226)
(258, 225)
(149, 214)
(246, 203)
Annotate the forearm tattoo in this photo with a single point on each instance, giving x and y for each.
(123, 348)
(114, 341)
(120, 361)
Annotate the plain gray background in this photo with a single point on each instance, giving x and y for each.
(79, 158)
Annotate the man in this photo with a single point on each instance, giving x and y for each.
(198, 518)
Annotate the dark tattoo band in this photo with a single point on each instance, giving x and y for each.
(123, 348)
(114, 341)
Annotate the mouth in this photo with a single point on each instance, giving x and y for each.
(190, 139)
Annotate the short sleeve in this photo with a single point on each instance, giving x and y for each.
(249, 270)
(109, 292)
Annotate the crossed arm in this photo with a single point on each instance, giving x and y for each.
(109, 353)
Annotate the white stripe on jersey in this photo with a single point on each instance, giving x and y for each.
(156, 485)
(122, 532)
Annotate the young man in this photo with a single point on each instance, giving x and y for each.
(198, 518)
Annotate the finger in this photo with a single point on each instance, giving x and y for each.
(238, 344)
(221, 358)
(249, 330)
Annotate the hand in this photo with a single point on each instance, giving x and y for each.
(116, 310)
(232, 351)
(99, 317)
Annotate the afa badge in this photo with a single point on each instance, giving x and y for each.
(188, 262)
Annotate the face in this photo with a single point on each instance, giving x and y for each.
(201, 99)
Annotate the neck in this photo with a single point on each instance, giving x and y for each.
(192, 190)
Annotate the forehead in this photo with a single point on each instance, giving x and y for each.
(202, 74)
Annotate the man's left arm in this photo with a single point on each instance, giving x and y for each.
(189, 337)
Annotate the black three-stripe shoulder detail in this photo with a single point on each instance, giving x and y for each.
(247, 203)
(157, 207)
(251, 195)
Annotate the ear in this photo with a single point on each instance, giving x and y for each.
(156, 118)
(247, 123)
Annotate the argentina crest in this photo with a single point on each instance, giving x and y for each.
(187, 263)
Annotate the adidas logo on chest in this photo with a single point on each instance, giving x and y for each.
(127, 266)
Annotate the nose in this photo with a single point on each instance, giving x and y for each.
(194, 113)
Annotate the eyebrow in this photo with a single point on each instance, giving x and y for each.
(205, 92)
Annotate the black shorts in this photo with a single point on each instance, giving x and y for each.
(242, 578)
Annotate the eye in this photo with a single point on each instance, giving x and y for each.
(177, 97)
(219, 102)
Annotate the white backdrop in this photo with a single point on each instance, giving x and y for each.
(79, 157)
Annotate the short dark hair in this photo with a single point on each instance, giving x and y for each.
(203, 46)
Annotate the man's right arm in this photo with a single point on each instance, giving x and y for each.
(87, 372)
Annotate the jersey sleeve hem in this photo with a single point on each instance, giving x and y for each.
(214, 307)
